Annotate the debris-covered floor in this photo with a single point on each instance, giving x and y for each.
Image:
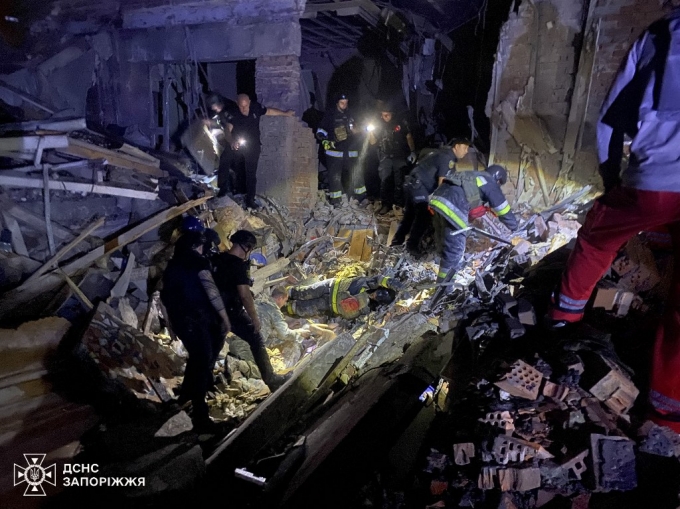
(482, 406)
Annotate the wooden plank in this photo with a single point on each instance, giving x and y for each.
(27, 97)
(260, 275)
(74, 124)
(281, 410)
(30, 143)
(394, 226)
(77, 187)
(356, 245)
(47, 206)
(79, 293)
(17, 238)
(49, 264)
(132, 234)
(86, 150)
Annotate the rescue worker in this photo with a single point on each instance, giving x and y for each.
(232, 275)
(341, 143)
(218, 107)
(345, 297)
(419, 185)
(198, 316)
(459, 194)
(643, 103)
(393, 138)
(243, 123)
(275, 329)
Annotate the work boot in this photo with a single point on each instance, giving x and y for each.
(204, 425)
(364, 203)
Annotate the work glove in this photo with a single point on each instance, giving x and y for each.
(328, 145)
(412, 158)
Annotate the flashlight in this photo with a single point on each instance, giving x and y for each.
(370, 128)
(242, 142)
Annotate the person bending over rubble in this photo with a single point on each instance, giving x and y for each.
(275, 330)
(643, 103)
(231, 270)
(345, 297)
(198, 316)
(460, 197)
(419, 185)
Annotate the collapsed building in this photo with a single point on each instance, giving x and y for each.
(441, 399)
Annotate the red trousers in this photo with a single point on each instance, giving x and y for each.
(615, 218)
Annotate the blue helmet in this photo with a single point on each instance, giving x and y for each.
(498, 173)
(192, 224)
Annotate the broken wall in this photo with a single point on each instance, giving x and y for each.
(554, 65)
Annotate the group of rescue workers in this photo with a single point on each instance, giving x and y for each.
(207, 292)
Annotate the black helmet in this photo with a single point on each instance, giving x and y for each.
(459, 140)
(498, 173)
(340, 96)
(384, 295)
(245, 239)
(212, 240)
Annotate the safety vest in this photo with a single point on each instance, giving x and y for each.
(470, 181)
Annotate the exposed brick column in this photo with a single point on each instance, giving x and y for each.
(288, 168)
(277, 82)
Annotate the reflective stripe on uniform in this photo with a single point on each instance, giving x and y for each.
(664, 403)
(442, 274)
(384, 281)
(335, 194)
(334, 153)
(322, 131)
(503, 208)
(446, 208)
(481, 181)
(360, 190)
(290, 307)
(334, 296)
(571, 305)
(353, 153)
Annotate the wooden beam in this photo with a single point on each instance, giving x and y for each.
(78, 292)
(30, 143)
(27, 97)
(46, 200)
(132, 234)
(49, 264)
(80, 148)
(74, 124)
(78, 187)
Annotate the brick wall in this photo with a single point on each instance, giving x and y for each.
(553, 30)
(277, 82)
(288, 168)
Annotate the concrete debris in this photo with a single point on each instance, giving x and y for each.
(613, 463)
(174, 426)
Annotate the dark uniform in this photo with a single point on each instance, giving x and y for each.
(419, 184)
(226, 157)
(194, 319)
(452, 202)
(392, 153)
(342, 152)
(230, 272)
(246, 128)
(346, 297)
